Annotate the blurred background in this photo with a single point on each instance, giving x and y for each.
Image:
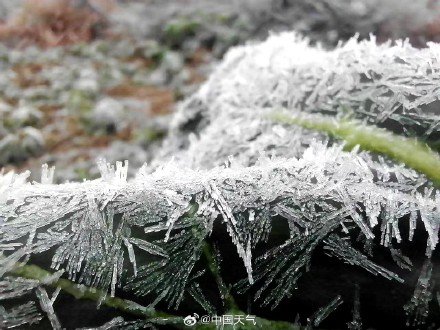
(82, 79)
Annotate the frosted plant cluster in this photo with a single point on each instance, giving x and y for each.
(386, 85)
(232, 164)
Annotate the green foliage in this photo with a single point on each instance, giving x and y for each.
(178, 30)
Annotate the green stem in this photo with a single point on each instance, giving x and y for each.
(215, 270)
(213, 265)
(408, 151)
(80, 291)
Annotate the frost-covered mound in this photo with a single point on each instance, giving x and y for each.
(287, 194)
(390, 85)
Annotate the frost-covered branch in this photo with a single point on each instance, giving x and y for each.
(104, 220)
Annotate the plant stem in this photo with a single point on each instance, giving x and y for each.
(213, 265)
(215, 270)
(408, 151)
(80, 291)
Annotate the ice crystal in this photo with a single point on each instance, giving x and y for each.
(356, 323)
(10, 288)
(19, 315)
(46, 306)
(417, 309)
(403, 261)
(343, 250)
(117, 321)
(324, 312)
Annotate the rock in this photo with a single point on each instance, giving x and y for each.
(19, 146)
(25, 115)
(107, 115)
(88, 81)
